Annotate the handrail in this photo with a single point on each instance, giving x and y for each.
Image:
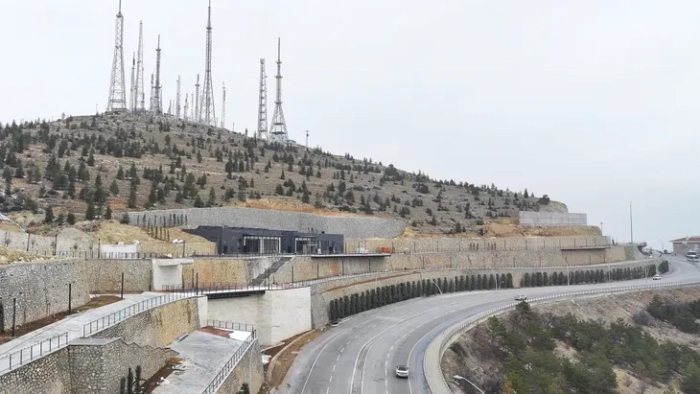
(223, 374)
(33, 352)
(227, 325)
(448, 335)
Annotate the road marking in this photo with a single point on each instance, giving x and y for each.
(334, 367)
(341, 350)
(391, 348)
(314, 364)
(331, 379)
(328, 390)
(337, 358)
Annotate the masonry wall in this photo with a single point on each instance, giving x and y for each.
(213, 270)
(104, 276)
(322, 293)
(457, 244)
(41, 289)
(552, 219)
(248, 370)
(43, 245)
(307, 268)
(351, 226)
(157, 327)
(47, 375)
(98, 366)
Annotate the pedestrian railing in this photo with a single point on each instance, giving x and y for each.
(223, 374)
(440, 386)
(31, 353)
(123, 314)
(227, 325)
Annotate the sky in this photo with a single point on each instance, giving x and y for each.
(593, 102)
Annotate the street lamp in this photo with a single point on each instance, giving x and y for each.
(457, 377)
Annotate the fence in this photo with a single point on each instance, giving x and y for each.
(437, 349)
(33, 352)
(123, 314)
(231, 364)
(227, 325)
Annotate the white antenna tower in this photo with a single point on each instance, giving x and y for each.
(132, 102)
(278, 131)
(117, 89)
(140, 91)
(262, 103)
(185, 115)
(177, 99)
(223, 106)
(196, 101)
(153, 94)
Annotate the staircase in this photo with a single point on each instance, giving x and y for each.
(273, 268)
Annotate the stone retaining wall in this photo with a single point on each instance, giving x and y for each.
(157, 327)
(104, 276)
(41, 289)
(248, 370)
(46, 375)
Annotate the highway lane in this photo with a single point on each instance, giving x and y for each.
(359, 356)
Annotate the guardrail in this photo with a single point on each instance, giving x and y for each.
(440, 386)
(123, 314)
(230, 364)
(33, 352)
(227, 325)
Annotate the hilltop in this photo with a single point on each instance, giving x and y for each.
(98, 166)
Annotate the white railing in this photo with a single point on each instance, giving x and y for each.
(437, 348)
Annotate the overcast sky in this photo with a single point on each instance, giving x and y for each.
(594, 102)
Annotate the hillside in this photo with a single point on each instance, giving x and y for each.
(642, 354)
(133, 162)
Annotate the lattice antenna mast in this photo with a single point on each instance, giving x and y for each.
(132, 87)
(177, 99)
(196, 116)
(223, 106)
(153, 95)
(278, 131)
(158, 101)
(185, 115)
(262, 103)
(140, 92)
(117, 87)
(207, 109)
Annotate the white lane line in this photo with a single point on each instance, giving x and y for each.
(391, 348)
(335, 365)
(337, 358)
(331, 379)
(343, 349)
(328, 390)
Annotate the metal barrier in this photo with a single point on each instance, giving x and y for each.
(227, 325)
(448, 336)
(123, 314)
(33, 352)
(230, 364)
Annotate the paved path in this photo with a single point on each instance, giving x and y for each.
(359, 356)
(72, 325)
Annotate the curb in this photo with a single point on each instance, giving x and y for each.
(273, 360)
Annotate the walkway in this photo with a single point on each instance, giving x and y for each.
(46, 339)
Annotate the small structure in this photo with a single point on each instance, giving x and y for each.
(239, 240)
(681, 246)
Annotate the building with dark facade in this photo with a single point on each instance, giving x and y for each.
(237, 240)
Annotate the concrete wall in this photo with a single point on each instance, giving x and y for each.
(46, 375)
(157, 327)
(97, 366)
(169, 272)
(118, 251)
(456, 244)
(248, 370)
(552, 219)
(681, 249)
(104, 276)
(290, 309)
(41, 289)
(351, 226)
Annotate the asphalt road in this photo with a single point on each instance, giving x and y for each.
(359, 356)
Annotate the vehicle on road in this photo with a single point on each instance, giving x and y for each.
(692, 256)
(402, 371)
(656, 277)
(521, 297)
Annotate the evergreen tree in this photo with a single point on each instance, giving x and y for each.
(108, 213)
(70, 218)
(114, 188)
(90, 212)
(48, 217)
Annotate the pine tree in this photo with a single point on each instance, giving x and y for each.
(114, 188)
(108, 212)
(70, 218)
(90, 212)
(48, 218)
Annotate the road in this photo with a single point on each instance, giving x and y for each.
(359, 356)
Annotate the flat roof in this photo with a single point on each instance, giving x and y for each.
(695, 239)
(204, 355)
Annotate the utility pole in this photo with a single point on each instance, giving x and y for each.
(307, 140)
(177, 99)
(223, 106)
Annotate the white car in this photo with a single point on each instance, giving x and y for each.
(656, 277)
(521, 297)
(692, 256)
(402, 371)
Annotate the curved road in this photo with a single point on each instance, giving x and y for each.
(359, 355)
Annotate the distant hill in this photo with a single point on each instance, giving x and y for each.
(89, 165)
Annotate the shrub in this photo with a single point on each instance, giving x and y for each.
(663, 267)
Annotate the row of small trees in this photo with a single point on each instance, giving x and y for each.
(538, 279)
(385, 295)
